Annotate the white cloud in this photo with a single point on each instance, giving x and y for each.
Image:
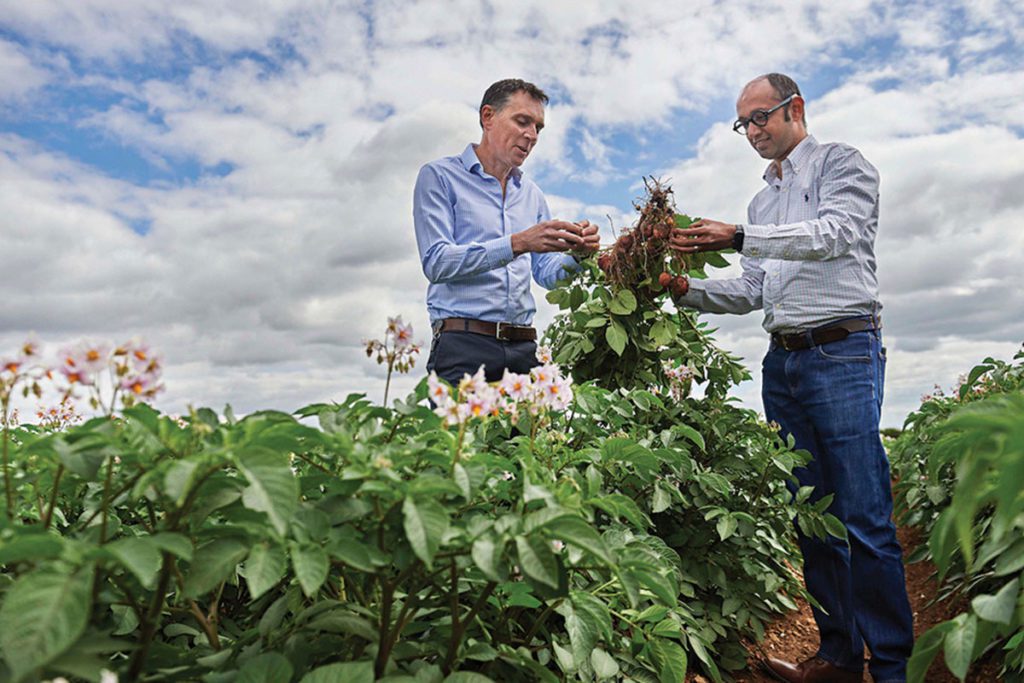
(259, 285)
(19, 76)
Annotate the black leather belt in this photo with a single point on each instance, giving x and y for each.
(798, 341)
(500, 331)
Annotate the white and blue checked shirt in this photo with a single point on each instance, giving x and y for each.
(808, 246)
(464, 233)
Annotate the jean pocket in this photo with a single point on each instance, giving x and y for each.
(856, 348)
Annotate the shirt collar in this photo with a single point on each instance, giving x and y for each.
(795, 161)
(472, 164)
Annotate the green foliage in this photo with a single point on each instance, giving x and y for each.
(622, 340)
(643, 534)
(960, 462)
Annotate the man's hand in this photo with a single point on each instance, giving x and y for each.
(551, 236)
(702, 235)
(591, 240)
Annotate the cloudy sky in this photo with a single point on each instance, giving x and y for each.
(232, 180)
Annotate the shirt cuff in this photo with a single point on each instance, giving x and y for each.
(499, 252)
(694, 293)
(755, 241)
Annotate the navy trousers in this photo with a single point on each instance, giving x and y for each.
(454, 354)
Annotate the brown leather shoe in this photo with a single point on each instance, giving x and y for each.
(813, 670)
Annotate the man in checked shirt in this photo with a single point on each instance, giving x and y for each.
(808, 261)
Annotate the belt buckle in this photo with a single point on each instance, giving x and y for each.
(497, 331)
(785, 342)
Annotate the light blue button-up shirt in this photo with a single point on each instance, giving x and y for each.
(809, 248)
(464, 230)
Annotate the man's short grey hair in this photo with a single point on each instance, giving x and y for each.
(784, 86)
(499, 93)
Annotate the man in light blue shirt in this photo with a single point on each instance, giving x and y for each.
(809, 263)
(483, 230)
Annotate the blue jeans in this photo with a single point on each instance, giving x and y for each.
(829, 398)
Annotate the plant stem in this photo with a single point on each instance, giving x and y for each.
(53, 497)
(106, 498)
(387, 382)
(7, 463)
(459, 627)
(151, 621)
(540, 620)
(388, 592)
(458, 445)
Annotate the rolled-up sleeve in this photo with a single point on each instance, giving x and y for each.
(434, 219)
(848, 196)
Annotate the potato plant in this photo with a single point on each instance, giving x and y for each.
(960, 462)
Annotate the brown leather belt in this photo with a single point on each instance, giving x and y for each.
(798, 341)
(500, 331)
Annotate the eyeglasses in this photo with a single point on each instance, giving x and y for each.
(759, 117)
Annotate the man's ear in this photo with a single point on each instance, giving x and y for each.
(486, 115)
(796, 108)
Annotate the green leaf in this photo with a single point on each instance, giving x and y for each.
(730, 606)
(536, 559)
(32, 547)
(487, 556)
(269, 667)
(176, 544)
(615, 335)
(583, 626)
(264, 567)
(311, 566)
(661, 500)
(661, 586)
(1011, 561)
(998, 608)
(43, 614)
(925, 649)
(604, 665)
(344, 622)
(726, 526)
(467, 677)
(835, 526)
(960, 644)
(565, 659)
(624, 302)
(715, 259)
(975, 373)
(462, 479)
(353, 553)
(691, 434)
(578, 532)
(671, 661)
(425, 522)
(212, 564)
(662, 332)
(140, 555)
(273, 487)
(349, 672)
(273, 616)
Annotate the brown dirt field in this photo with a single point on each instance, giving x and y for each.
(794, 637)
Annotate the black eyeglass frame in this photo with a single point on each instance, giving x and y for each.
(760, 117)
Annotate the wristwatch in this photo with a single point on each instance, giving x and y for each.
(737, 239)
